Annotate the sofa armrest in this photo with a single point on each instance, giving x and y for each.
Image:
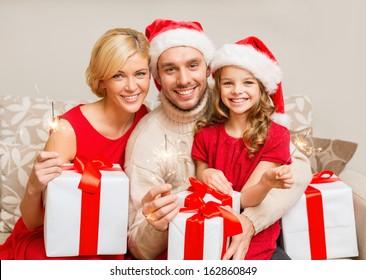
(357, 182)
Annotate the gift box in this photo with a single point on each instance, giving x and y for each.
(86, 211)
(202, 228)
(321, 225)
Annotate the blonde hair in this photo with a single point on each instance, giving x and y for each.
(258, 117)
(110, 52)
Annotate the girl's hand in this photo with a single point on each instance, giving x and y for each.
(279, 177)
(216, 180)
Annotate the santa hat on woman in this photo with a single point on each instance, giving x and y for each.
(253, 55)
(165, 34)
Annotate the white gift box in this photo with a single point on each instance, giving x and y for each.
(213, 235)
(339, 224)
(213, 229)
(63, 214)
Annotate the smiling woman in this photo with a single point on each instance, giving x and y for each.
(118, 73)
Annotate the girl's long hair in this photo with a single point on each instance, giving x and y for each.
(259, 116)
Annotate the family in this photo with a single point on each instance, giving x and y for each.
(232, 136)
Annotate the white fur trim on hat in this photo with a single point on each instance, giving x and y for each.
(180, 37)
(245, 56)
(282, 119)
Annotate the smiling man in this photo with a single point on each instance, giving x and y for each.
(158, 155)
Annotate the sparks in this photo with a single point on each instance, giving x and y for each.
(169, 157)
(302, 142)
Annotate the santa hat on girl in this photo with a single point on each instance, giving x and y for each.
(164, 34)
(253, 55)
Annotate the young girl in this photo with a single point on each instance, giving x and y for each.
(118, 74)
(238, 146)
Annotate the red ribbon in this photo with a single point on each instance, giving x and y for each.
(90, 201)
(325, 176)
(194, 235)
(314, 206)
(200, 189)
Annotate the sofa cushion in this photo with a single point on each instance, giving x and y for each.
(323, 153)
(25, 120)
(299, 109)
(330, 154)
(24, 125)
(16, 161)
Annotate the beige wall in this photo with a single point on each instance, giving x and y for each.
(320, 45)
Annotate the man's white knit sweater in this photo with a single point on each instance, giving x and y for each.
(159, 151)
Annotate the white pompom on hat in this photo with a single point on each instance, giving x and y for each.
(165, 34)
(252, 54)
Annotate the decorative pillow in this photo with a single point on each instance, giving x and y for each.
(25, 119)
(325, 154)
(16, 161)
(299, 108)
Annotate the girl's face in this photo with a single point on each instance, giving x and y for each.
(130, 85)
(240, 90)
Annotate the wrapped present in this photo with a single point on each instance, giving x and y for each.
(86, 210)
(202, 228)
(321, 225)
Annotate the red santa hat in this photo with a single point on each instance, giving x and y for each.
(253, 55)
(164, 34)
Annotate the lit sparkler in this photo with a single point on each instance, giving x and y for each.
(53, 123)
(303, 144)
(169, 158)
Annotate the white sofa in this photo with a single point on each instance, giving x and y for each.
(24, 129)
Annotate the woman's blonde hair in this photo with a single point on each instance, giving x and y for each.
(110, 52)
(258, 116)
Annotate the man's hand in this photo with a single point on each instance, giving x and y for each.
(160, 206)
(240, 243)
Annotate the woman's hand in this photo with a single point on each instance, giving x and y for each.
(160, 206)
(47, 166)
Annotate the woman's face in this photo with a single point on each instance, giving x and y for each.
(240, 90)
(130, 85)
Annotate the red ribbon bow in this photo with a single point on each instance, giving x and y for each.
(200, 189)
(325, 176)
(194, 235)
(314, 206)
(90, 201)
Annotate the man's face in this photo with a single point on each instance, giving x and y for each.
(182, 74)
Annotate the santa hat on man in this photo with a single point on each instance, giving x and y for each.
(253, 55)
(165, 34)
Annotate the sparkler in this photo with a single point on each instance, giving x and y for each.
(170, 156)
(302, 143)
(53, 124)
